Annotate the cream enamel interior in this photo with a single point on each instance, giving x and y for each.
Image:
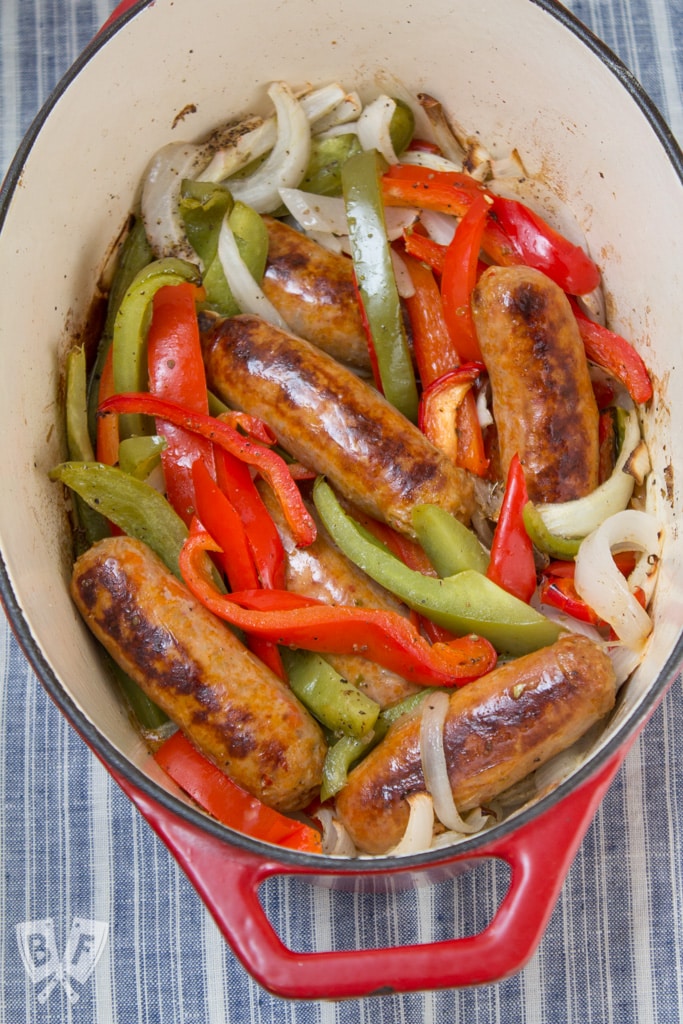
(506, 69)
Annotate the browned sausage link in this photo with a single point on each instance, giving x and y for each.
(322, 571)
(332, 421)
(543, 402)
(230, 705)
(313, 290)
(498, 729)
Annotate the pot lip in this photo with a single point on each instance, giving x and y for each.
(100, 744)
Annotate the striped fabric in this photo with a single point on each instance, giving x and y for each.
(74, 852)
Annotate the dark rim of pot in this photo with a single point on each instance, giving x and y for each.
(320, 863)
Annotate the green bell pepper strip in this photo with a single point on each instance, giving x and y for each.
(138, 456)
(361, 184)
(328, 156)
(466, 603)
(336, 703)
(90, 526)
(542, 538)
(402, 126)
(136, 507)
(203, 207)
(449, 544)
(343, 754)
(135, 253)
(130, 330)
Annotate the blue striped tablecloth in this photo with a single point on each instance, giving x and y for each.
(74, 851)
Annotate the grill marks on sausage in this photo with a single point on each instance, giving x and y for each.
(543, 402)
(331, 421)
(497, 730)
(237, 712)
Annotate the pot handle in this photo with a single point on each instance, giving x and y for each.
(227, 879)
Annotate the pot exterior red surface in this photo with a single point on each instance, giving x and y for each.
(539, 854)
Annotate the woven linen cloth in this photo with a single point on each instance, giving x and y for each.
(76, 856)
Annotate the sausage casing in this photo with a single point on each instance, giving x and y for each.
(543, 401)
(498, 729)
(230, 705)
(332, 421)
(313, 290)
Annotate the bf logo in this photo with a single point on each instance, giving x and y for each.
(38, 948)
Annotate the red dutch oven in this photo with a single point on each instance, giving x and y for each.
(519, 73)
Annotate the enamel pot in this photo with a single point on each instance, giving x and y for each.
(517, 72)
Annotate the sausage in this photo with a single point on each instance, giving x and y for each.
(498, 729)
(230, 705)
(332, 421)
(313, 290)
(543, 401)
(322, 571)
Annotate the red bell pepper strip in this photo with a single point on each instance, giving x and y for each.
(433, 347)
(455, 430)
(545, 249)
(107, 443)
(271, 466)
(292, 620)
(435, 355)
(512, 554)
(229, 803)
(176, 372)
(460, 276)
(450, 192)
(559, 592)
(615, 354)
(236, 482)
(220, 518)
(425, 249)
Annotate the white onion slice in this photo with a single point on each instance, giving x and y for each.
(244, 145)
(316, 213)
(434, 768)
(439, 226)
(246, 291)
(341, 117)
(161, 198)
(600, 583)
(580, 517)
(435, 162)
(404, 282)
(336, 841)
(286, 163)
(373, 127)
(418, 834)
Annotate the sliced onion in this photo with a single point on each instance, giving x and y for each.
(600, 583)
(404, 282)
(160, 198)
(435, 162)
(346, 111)
(624, 661)
(286, 163)
(439, 226)
(316, 213)
(245, 290)
(444, 136)
(434, 768)
(418, 834)
(373, 127)
(336, 841)
(249, 140)
(580, 517)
